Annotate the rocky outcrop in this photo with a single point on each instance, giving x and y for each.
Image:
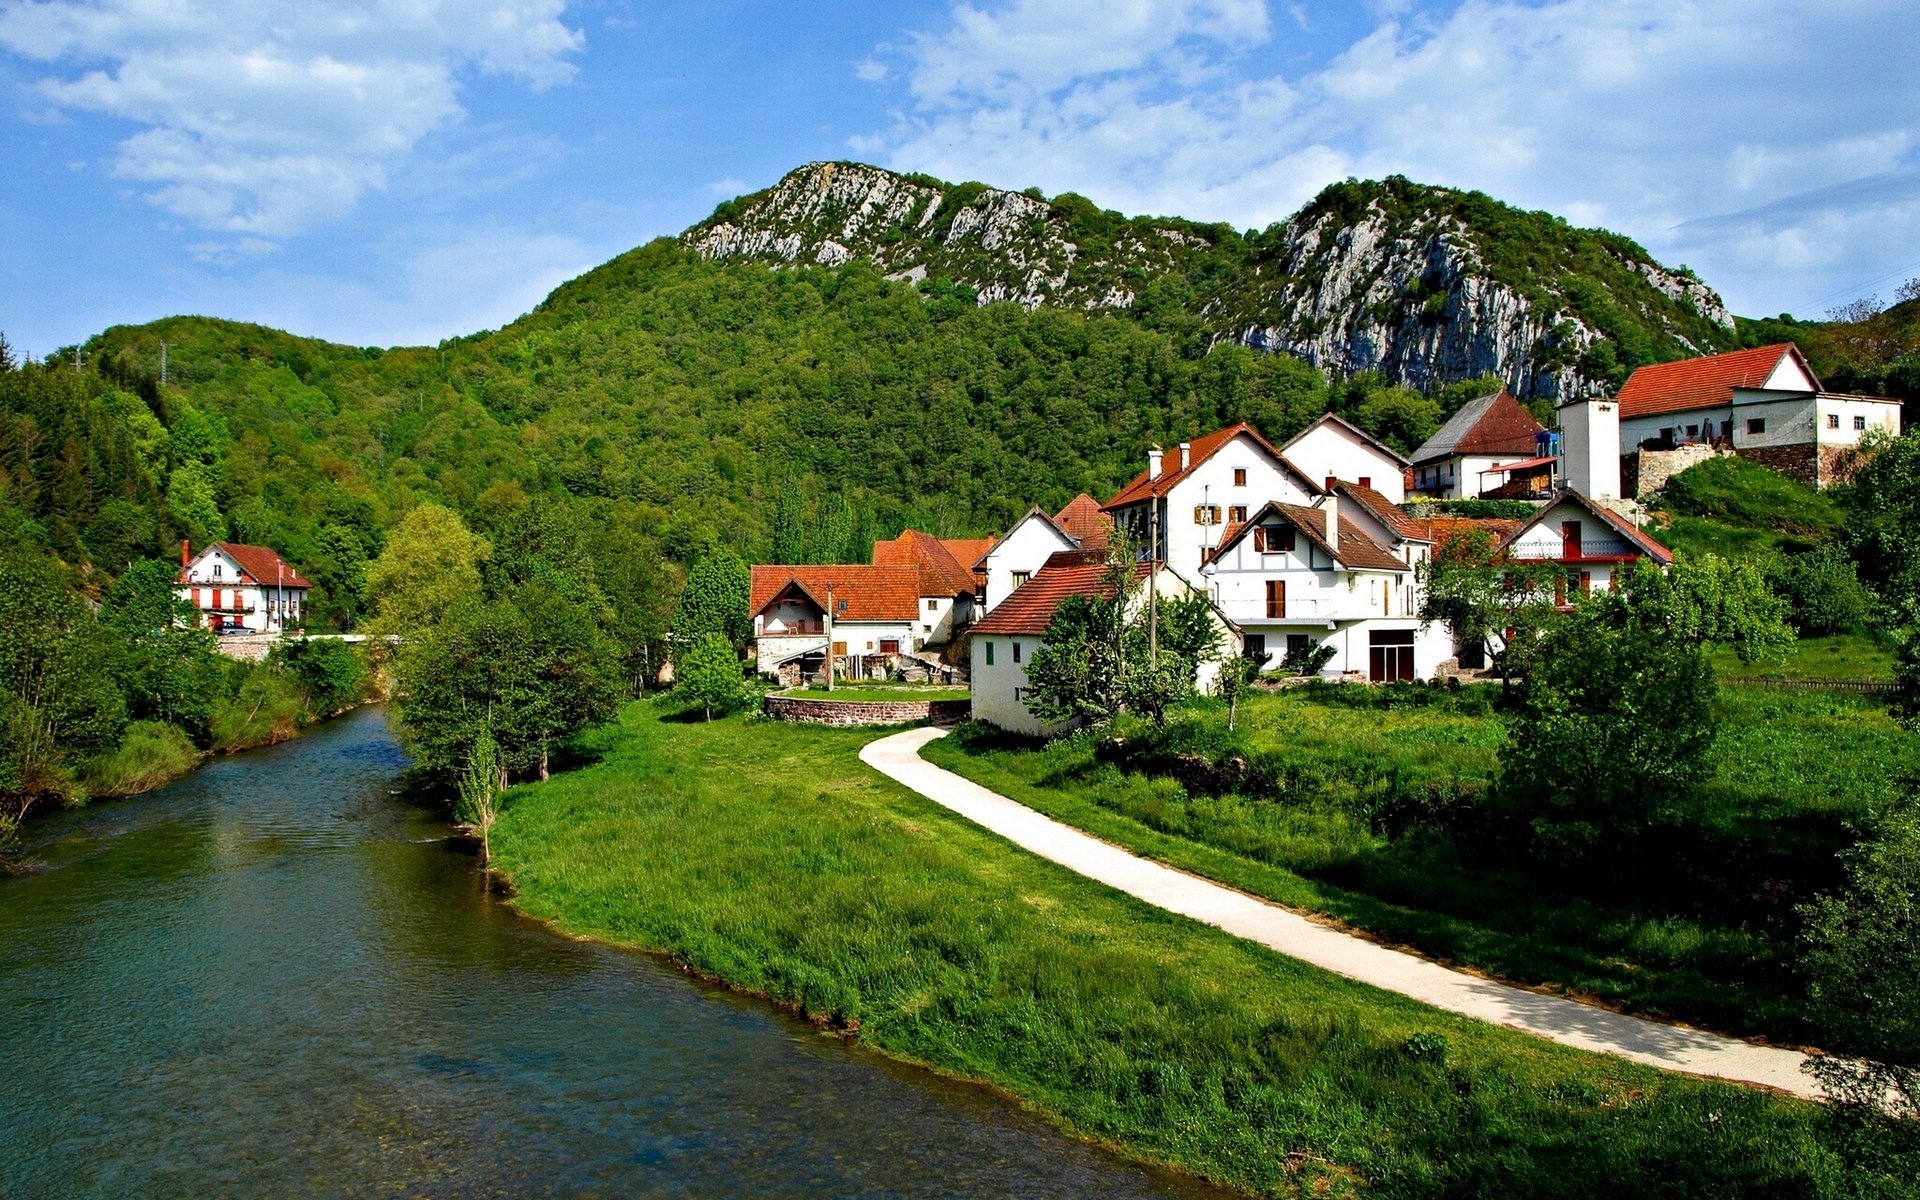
(1390, 277)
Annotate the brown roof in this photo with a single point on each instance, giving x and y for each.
(1357, 551)
(1495, 424)
(1702, 382)
(1067, 573)
(870, 593)
(1083, 521)
(259, 565)
(1441, 530)
(916, 549)
(1618, 523)
(1200, 450)
(969, 551)
(1384, 510)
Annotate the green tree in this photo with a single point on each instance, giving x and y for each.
(1398, 416)
(1709, 599)
(331, 674)
(1190, 629)
(1479, 596)
(1862, 963)
(1883, 523)
(430, 566)
(167, 667)
(710, 675)
(1823, 592)
(715, 600)
(1236, 675)
(482, 782)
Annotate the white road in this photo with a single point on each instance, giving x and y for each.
(1555, 1018)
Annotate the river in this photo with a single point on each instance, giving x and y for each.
(277, 978)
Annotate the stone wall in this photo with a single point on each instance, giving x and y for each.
(252, 646)
(1653, 468)
(811, 711)
(1801, 462)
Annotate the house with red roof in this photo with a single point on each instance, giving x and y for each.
(875, 616)
(1335, 448)
(1177, 509)
(1004, 641)
(946, 567)
(1473, 451)
(1593, 542)
(1013, 559)
(234, 585)
(1764, 404)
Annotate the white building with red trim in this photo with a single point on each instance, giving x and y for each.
(233, 584)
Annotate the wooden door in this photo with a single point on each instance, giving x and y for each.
(1570, 539)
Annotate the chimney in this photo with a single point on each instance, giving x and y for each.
(185, 558)
(1332, 507)
(1331, 480)
(1184, 447)
(1153, 462)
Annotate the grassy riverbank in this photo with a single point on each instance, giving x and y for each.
(1378, 825)
(768, 857)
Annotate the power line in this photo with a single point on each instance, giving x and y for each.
(1860, 289)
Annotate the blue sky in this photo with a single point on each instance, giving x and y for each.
(386, 172)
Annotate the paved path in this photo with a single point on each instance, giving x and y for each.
(1555, 1018)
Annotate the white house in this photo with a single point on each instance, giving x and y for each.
(949, 601)
(877, 615)
(1294, 577)
(1764, 404)
(1004, 641)
(1013, 559)
(1178, 509)
(1476, 442)
(1590, 540)
(232, 584)
(1333, 447)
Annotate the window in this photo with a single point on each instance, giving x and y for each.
(989, 645)
(1298, 644)
(1276, 599)
(1255, 646)
(1239, 477)
(1366, 481)
(1020, 578)
(889, 645)
(1390, 655)
(1693, 431)
(1237, 514)
(1273, 539)
(1859, 423)
(1833, 420)
(217, 570)
(1016, 649)
(1726, 428)
(1756, 424)
(1206, 514)
(932, 604)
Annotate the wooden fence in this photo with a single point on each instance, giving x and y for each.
(1871, 687)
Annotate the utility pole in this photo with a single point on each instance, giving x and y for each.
(829, 638)
(76, 360)
(1153, 578)
(163, 364)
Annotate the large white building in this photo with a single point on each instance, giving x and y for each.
(1014, 559)
(1179, 508)
(250, 587)
(1334, 448)
(879, 612)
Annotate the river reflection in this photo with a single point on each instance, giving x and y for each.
(274, 978)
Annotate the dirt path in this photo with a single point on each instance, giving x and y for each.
(1555, 1018)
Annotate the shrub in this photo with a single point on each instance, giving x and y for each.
(151, 753)
(1822, 589)
(710, 675)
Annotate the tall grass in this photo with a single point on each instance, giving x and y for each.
(768, 857)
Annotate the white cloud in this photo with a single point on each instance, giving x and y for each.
(1641, 115)
(265, 119)
(728, 188)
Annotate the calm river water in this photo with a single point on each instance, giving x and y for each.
(274, 978)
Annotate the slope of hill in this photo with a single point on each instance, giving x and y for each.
(1424, 285)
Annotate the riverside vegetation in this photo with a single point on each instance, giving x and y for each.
(798, 875)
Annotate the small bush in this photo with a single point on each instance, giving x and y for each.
(151, 753)
(1823, 591)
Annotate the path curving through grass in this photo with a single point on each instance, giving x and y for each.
(1555, 1018)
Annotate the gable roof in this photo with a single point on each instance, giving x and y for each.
(1495, 424)
(1382, 509)
(1706, 382)
(915, 549)
(969, 551)
(259, 564)
(1334, 418)
(1030, 609)
(871, 593)
(1357, 551)
(1201, 449)
(1619, 524)
(1083, 521)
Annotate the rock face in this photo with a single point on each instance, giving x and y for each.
(1423, 285)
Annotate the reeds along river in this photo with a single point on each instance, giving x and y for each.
(278, 978)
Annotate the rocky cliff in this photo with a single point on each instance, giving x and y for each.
(1425, 285)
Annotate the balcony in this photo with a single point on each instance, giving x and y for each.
(1354, 606)
(1585, 549)
(795, 629)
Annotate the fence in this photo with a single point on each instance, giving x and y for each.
(1871, 687)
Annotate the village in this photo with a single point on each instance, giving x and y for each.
(1311, 553)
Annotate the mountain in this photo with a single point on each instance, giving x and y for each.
(1424, 285)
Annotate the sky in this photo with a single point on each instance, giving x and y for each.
(397, 172)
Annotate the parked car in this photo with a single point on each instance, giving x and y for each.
(230, 627)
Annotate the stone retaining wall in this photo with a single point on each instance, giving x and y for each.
(811, 711)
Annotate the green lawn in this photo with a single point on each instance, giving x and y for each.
(767, 856)
(1845, 656)
(1375, 825)
(882, 692)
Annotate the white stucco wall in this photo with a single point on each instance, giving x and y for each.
(1185, 540)
(1026, 547)
(998, 686)
(1327, 449)
(1590, 448)
(215, 577)
(861, 638)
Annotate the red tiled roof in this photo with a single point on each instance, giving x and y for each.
(1495, 424)
(260, 565)
(1384, 510)
(870, 593)
(1199, 451)
(1067, 573)
(916, 549)
(1702, 382)
(1357, 551)
(1441, 530)
(1083, 521)
(968, 551)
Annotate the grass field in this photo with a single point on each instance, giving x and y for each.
(1845, 656)
(768, 857)
(1373, 827)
